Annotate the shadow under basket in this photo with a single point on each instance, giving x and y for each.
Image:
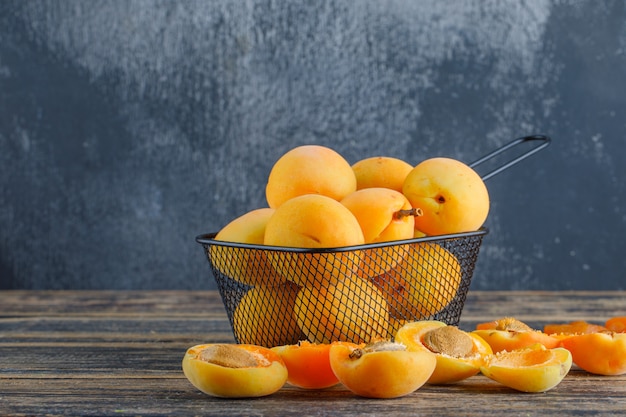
(278, 296)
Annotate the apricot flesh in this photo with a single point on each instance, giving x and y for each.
(382, 370)
(313, 221)
(234, 371)
(381, 171)
(531, 369)
(309, 169)
(452, 196)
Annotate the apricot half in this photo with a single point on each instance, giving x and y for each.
(452, 196)
(531, 369)
(459, 354)
(249, 266)
(381, 370)
(510, 334)
(616, 324)
(313, 221)
(423, 283)
(234, 371)
(598, 353)
(308, 364)
(352, 310)
(309, 169)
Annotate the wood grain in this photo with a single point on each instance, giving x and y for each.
(119, 353)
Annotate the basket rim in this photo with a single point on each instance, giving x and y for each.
(209, 239)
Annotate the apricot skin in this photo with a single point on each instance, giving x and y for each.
(308, 365)
(384, 374)
(381, 171)
(598, 353)
(500, 340)
(220, 381)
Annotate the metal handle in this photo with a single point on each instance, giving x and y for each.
(545, 141)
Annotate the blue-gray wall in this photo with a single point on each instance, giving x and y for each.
(129, 127)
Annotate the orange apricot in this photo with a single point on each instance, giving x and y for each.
(265, 316)
(573, 327)
(309, 169)
(531, 369)
(423, 283)
(451, 195)
(308, 364)
(381, 171)
(234, 371)
(380, 370)
(616, 324)
(384, 215)
(313, 221)
(459, 354)
(598, 353)
(249, 266)
(352, 310)
(511, 334)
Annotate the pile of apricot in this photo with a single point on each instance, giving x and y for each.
(317, 201)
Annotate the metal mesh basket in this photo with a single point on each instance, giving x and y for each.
(277, 295)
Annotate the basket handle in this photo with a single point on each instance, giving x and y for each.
(544, 141)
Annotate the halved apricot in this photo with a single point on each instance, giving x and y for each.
(382, 369)
(459, 354)
(308, 364)
(234, 371)
(616, 324)
(598, 353)
(510, 334)
(531, 369)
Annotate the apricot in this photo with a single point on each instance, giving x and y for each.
(452, 196)
(598, 353)
(381, 171)
(309, 169)
(380, 370)
(384, 215)
(352, 310)
(423, 283)
(531, 369)
(313, 221)
(248, 266)
(616, 324)
(459, 354)
(510, 334)
(265, 316)
(234, 371)
(308, 364)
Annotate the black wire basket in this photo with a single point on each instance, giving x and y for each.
(280, 295)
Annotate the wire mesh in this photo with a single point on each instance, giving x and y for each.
(277, 296)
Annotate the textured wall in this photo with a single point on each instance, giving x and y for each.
(128, 128)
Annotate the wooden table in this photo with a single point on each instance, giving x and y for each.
(119, 353)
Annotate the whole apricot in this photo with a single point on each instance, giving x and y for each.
(352, 310)
(383, 369)
(234, 371)
(249, 266)
(309, 169)
(381, 171)
(313, 221)
(451, 195)
(423, 283)
(265, 316)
